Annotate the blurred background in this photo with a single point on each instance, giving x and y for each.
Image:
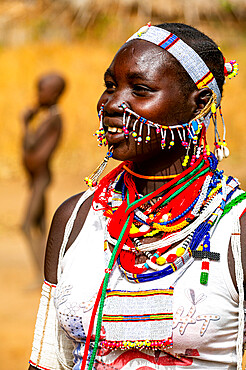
(78, 38)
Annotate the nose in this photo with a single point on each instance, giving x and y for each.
(113, 104)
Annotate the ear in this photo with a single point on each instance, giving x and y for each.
(200, 99)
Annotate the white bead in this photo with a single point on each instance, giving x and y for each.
(226, 151)
(165, 217)
(153, 266)
(144, 228)
(143, 29)
(219, 154)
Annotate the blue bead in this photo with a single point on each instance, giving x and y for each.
(194, 125)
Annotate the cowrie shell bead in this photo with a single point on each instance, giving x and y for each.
(219, 154)
(226, 151)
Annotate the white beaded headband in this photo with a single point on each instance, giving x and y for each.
(187, 57)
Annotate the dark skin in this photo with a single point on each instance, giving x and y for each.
(142, 76)
(39, 145)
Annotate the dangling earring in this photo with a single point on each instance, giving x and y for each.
(100, 133)
(221, 151)
(92, 180)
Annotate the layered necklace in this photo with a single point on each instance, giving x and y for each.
(183, 214)
(192, 199)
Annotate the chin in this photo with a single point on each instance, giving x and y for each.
(120, 155)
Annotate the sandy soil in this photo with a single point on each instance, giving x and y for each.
(19, 304)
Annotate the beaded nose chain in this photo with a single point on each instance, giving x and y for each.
(188, 134)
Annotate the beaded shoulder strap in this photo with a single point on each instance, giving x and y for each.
(69, 227)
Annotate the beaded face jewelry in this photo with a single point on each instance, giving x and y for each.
(187, 133)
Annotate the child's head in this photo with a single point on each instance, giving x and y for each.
(50, 87)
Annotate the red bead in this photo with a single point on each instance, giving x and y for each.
(171, 258)
(205, 265)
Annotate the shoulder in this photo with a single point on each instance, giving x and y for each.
(57, 229)
(55, 120)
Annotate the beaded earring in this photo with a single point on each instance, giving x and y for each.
(100, 133)
(92, 180)
(231, 69)
(221, 150)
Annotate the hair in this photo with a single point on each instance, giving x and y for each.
(205, 47)
(56, 78)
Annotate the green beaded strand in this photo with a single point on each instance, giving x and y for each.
(233, 203)
(171, 187)
(103, 295)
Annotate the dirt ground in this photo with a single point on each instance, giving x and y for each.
(19, 304)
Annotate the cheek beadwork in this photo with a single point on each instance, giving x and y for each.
(143, 130)
(191, 135)
(185, 132)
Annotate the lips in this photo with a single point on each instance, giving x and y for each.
(114, 131)
(113, 126)
(115, 137)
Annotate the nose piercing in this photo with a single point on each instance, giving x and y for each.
(123, 105)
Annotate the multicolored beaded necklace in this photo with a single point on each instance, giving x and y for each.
(199, 189)
(187, 209)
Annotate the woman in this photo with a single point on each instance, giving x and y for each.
(163, 294)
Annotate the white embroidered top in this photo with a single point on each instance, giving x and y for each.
(205, 323)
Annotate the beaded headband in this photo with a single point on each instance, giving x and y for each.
(187, 57)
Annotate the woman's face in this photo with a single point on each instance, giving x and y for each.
(144, 77)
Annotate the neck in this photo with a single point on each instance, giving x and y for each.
(171, 165)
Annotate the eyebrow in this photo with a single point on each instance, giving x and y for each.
(108, 72)
(130, 75)
(136, 75)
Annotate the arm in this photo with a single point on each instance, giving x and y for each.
(47, 134)
(57, 231)
(231, 261)
(44, 347)
(28, 115)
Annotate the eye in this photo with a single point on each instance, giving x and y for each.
(110, 86)
(141, 90)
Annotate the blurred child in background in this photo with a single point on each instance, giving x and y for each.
(42, 129)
